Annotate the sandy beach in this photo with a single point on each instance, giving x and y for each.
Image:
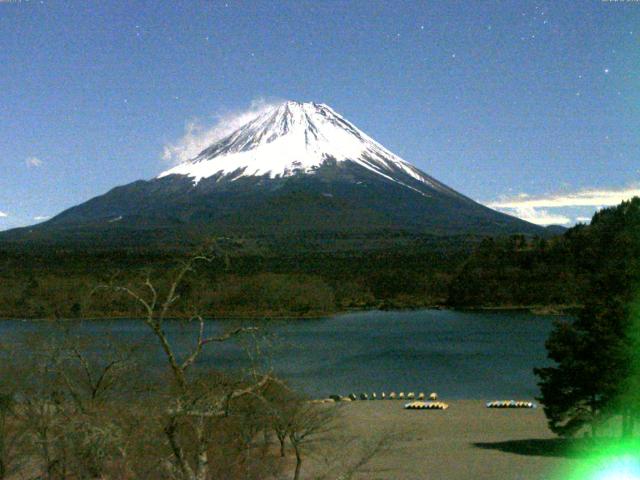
(466, 441)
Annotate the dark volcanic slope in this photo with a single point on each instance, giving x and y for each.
(300, 169)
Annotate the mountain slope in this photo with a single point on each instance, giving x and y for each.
(299, 168)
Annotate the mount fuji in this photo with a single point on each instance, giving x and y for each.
(297, 138)
(295, 169)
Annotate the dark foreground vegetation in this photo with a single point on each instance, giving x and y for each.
(78, 408)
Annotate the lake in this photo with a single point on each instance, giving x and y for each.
(482, 355)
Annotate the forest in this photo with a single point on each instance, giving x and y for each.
(288, 278)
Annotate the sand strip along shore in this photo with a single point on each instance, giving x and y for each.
(465, 442)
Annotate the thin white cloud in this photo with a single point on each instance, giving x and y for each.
(537, 216)
(3, 215)
(583, 198)
(197, 136)
(33, 162)
(41, 217)
(536, 209)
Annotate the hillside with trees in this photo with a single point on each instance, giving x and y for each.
(304, 279)
(312, 276)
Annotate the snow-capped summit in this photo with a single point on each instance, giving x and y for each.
(297, 170)
(294, 138)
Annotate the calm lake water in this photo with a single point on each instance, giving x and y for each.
(457, 354)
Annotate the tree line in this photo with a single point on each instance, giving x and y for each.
(471, 272)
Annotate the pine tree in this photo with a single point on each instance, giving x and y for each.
(595, 373)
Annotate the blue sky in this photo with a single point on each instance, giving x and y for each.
(531, 107)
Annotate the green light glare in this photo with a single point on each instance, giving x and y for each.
(618, 460)
(615, 457)
(614, 452)
(624, 468)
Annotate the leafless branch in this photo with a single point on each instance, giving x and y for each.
(228, 335)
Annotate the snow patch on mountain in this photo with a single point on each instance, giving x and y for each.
(294, 138)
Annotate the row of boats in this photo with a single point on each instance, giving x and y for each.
(422, 402)
(426, 406)
(383, 396)
(494, 404)
(511, 404)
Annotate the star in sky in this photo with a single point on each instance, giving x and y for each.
(599, 38)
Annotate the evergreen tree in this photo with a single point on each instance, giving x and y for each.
(595, 372)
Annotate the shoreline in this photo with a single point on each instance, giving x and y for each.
(547, 310)
(558, 310)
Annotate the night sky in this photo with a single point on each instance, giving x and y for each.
(530, 107)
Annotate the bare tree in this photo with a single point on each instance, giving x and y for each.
(313, 429)
(361, 456)
(192, 403)
(282, 406)
(309, 423)
(82, 417)
(42, 413)
(66, 405)
(10, 436)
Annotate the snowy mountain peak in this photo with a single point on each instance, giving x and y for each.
(295, 168)
(296, 138)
